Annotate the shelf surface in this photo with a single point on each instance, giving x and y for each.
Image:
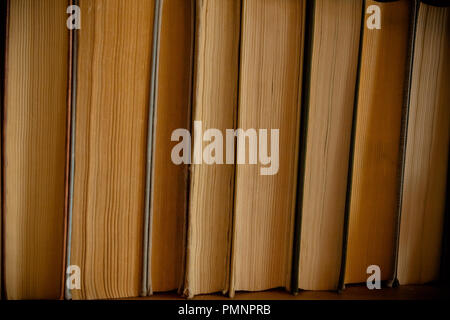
(409, 292)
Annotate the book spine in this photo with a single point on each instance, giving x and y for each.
(231, 258)
(341, 285)
(183, 276)
(148, 217)
(67, 173)
(71, 160)
(404, 132)
(306, 83)
(3, 36)
(230, 275)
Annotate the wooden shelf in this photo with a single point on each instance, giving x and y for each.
(350, 293)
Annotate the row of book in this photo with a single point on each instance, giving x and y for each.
(358, 91)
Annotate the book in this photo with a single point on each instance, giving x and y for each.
(332, 81)
(112, 104)
(272, 39)
(375, 183)
(203, 146)
(212, 175)
(34, 146)
(426, 160)
(172, 111)
(3, 10)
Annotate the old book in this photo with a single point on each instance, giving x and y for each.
(272, 39)
(172, 112)
(113, 79)
(212, 174)
(332, 82)
(375, 184)
(3, 11)
(424, 194)
(35, 110)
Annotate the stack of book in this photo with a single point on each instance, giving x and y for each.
(209, 146)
